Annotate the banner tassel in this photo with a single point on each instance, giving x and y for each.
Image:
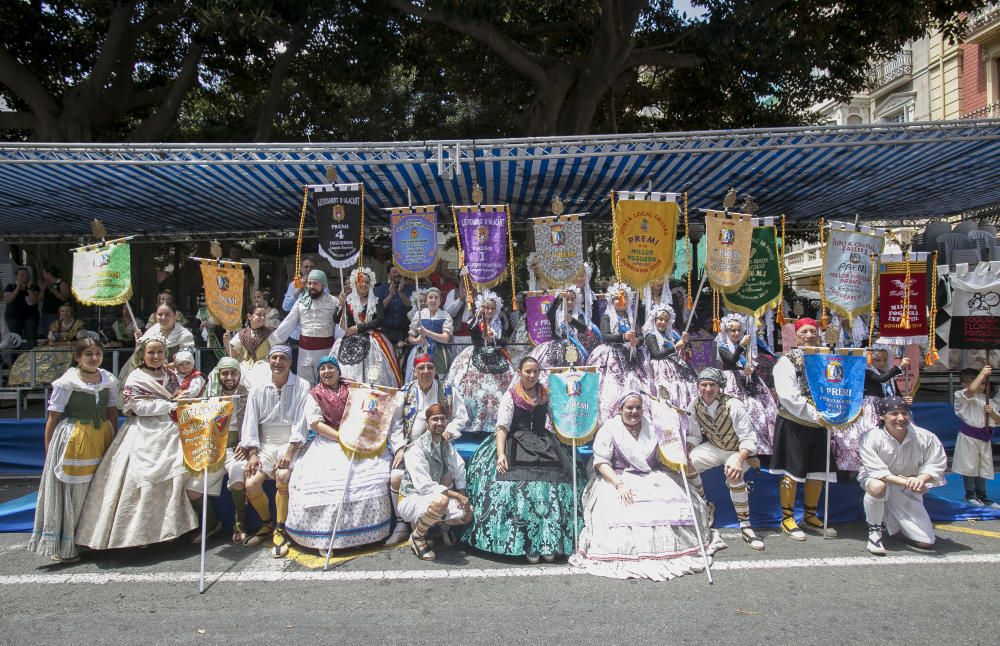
(932, 353)
(690, 251)
(299, 281)
(779, 316)
(824, 320)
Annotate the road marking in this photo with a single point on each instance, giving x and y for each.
(267, 576)
(968, 530)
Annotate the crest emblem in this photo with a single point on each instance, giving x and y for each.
(644, 225)
(574, 387)
(727, 234)
(338, 212)
(482, 234)
(835, 371)
(370, 406)
(222, 282)
(557, 236)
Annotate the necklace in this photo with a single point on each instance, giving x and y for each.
(86, 372)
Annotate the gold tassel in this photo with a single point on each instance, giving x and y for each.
(871, 308)
(780, 316)
(824, 320)
(690, 251)
(932, 353)
(298, 280)
(361, 248)
(510, 250)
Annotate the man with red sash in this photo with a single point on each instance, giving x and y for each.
(316, 312)
(800, 450)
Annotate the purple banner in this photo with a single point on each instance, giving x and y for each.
(484, 243)
(414, 240)
(535, 320)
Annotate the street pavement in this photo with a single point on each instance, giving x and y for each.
(816, 592)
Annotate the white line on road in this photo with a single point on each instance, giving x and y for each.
(470, 573)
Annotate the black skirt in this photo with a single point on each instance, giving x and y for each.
(800, 451)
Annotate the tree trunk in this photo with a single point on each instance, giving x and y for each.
(275, 89)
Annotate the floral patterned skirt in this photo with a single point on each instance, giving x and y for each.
(760, 405)
(480, 390)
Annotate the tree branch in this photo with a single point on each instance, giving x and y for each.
(269, 107)
(26, 85)
(523, 61)
(157, 123)
(117, 31)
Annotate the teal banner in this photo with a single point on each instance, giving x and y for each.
(573, 405)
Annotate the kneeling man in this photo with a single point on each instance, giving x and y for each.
(899, 462)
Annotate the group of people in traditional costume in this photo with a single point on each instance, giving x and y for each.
(634, 513)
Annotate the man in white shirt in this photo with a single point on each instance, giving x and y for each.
(800, 447)
(315, 313)
(720, 434)
(899, 462)
(409, 422)
(274, 427)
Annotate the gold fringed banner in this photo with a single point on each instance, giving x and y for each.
(102, 274)
(484, 242)
(559, 250)
(644, 235)
(728, 249)
(846, 277)
(224, 292)
(204, 430)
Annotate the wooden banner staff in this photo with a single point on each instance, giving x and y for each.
(103, 243)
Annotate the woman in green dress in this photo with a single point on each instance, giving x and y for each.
(82, 419)
(521, 479)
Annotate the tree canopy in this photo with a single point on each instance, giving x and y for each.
(353, 70)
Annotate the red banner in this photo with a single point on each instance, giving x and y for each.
(892, 287)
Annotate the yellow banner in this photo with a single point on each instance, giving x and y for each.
(204, 427)
(728, 241)
(643, 239)
(224, 292)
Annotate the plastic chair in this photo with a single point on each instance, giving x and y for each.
(995, 253)
(965, 226)
(932, 232)
(988, 228)
(981, 239)
(969, 256)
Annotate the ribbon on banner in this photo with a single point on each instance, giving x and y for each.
(728, 249)
(573, 403)
(644, 234)
(102, 274)
(559, 250)
(894, 293)
(762, 288)
(847, 268)
(414, 240)
(484, 239)
(536, 321)
(224, 292)
(364, 429)
(340, 219)
(204, 429)
(836, 381)
(974, 296)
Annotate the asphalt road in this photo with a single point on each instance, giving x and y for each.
(817, 592)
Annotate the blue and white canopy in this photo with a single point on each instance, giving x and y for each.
(893, 172)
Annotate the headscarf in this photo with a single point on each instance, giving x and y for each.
(435, 409)
(722, 338)
(495, 324)
(652, 312)
(712, 374)
(354, 300)
(214, 387)
(328, 359)
(889, 404)
(612, 311)
(183, 355)
(802, 322)
(280, 348)
(317, 275)
(632, 393)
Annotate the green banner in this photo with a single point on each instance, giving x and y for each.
(102, 275)
(762, 288)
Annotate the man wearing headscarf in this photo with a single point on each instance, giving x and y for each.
(225, 381)
(720, 434)
(800, 450)
(899, 462)
(316, 312)
(274, 427)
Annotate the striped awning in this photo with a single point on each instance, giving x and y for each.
(891, 172)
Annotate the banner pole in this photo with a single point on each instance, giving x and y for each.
(340, 510)
(204, 519)
(697, 528)
(826, 494)
(576, 531)
(694, 306)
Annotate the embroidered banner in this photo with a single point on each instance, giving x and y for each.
(847, 268)
(414, 240)
(728, 248)
(975, 306)
(893, 292)
(837, 383)
(559, 250)
(536, 321)
(484, 242)
(573, 404)
(666, 424)
(762, 288)
(204, 429)
(364, 429)
(340, 216)
(224, 292)
(102, 275)
(643, 237)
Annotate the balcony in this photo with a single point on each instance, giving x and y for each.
(983, 25)
(888, 72)
(991, 111)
